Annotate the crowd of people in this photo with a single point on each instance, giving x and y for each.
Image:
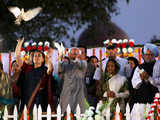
(79, 79)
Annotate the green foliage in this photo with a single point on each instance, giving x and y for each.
(104, 106)
(2, 113)
(127, 1)
(86, 104)
(155, 39)
(58, 19)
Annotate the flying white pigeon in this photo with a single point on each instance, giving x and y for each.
(21, 15)
(60, 48)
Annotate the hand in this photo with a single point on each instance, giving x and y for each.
(50, 52)
(21, 40)
(144, 76)
(111, 94)
(50, 65)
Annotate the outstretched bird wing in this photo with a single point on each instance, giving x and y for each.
(62, 49)
(30, 14)
(15, 11)
(57, 45)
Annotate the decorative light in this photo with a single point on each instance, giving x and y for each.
(130, 50)
(124, 50)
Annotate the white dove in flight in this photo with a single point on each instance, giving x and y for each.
(60, 48)
(21, 15)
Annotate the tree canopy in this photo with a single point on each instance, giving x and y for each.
(56, 19)
(155, 39)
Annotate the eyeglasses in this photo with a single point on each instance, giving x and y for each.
(148, 54)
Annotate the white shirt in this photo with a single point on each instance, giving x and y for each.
(123, 62)
(115, 84)
(136, 79)
(154, 80)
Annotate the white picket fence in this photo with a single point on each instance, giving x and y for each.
(38, 115)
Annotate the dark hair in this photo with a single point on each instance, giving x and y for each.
(1, 65)
(87, 57)
(117, 65)
(92, 57)
(113, 46)
(65, 57)
(134, 60)
(81, 46)
(142, 51)
(43, 55)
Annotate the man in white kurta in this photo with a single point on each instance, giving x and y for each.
(149, 52)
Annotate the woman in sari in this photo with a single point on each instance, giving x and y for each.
(116, 87)
(29, 81)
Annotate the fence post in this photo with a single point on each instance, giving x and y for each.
(15, 112)
(35, 112)
(117, 116)
(39, 112)
(78, 112)
(5, 117)
(25, 112)
(128, 115)
(59, 112)
(68, 112)
(49, 112)
(137, 112)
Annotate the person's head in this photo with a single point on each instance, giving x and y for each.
(83, 52)
(14, 66)
(38, 58)
(133, 62)
(147, 56)
(66, 59)
(87, 59)
(112, 67)
(112, 52)
(93, 60)
(74, 53)
(149, 52)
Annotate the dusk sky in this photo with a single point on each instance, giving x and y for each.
(140, 19)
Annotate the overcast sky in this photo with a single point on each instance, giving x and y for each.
(140, 19)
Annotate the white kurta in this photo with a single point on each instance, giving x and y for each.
(136, 82)
(115, 84)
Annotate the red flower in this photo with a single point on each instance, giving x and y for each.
(22, 49)
(39, 48)
(45, 48)
(34, 47)
(118, 45)
(131, 44)
(28, 48)
(124, 45)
